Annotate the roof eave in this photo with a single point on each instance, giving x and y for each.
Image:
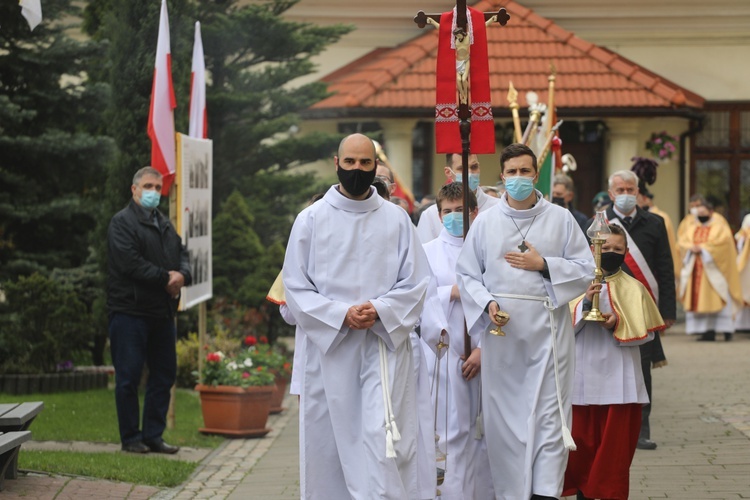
(502, 113)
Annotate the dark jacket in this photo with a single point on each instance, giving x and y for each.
(139, 260)
(581, 218)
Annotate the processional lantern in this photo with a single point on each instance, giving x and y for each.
(597, 232)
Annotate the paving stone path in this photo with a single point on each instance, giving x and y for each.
(700, 420)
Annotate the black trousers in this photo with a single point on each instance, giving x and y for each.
(651, 352)
(136, 340)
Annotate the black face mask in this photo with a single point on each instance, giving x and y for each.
(356, 181)
(703, 218)
(612, 261)
(559, 201)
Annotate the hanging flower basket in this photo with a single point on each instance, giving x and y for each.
(233, 411)
(662, 145)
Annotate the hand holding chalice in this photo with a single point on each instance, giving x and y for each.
(499, 317)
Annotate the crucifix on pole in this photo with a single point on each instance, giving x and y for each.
(463, 93)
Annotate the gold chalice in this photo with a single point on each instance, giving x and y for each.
(502, 318)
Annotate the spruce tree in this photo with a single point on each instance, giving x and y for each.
(253, 56)
(238, 253)
(52, 155)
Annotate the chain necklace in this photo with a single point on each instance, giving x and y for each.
(522, 247)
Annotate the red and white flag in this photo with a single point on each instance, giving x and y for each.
(161, 113)
(32, 11)
(198, 118)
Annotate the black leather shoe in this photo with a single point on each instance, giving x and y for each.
(135, 447)
(728, 337)
(645, 444)
(707, 337)
(162, 447)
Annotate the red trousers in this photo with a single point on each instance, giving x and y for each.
(606, 437)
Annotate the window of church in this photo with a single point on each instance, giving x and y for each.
(745, 129)
(720, 159)
(715, 131)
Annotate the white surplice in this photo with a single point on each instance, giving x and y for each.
(429, 225)
(608, 372)
(299, 349)
(344, 252)
(522, 421)
(458, 399)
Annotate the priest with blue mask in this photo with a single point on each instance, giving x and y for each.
(430, 224)
(528, 258)
(456, 385)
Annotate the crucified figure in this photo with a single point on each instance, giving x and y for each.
(463, 53)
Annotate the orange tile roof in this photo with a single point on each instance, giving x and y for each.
(589, 77)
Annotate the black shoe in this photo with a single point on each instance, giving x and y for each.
(135, 447)
(645, 444)
(707, 337)
(161, 447)
(728, 337)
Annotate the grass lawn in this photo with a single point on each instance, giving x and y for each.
(91, 416)
(137, 469)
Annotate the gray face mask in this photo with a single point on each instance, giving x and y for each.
(625, 202)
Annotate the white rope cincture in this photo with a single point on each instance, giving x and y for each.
(566, 434)
(568, 441)
(391, 430)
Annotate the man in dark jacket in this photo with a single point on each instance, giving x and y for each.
(563, 192)
(148, 265)
(650, 261)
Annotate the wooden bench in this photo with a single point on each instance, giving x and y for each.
(15, 420)
(10, 443)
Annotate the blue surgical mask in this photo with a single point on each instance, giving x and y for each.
(454, 223)
(625, 202)
(150, 198)
(473, 180)
(519, 187)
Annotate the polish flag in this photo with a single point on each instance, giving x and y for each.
(32, 11)
(161, 114)
(198, 118)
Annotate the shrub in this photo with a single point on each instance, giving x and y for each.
(43, 324)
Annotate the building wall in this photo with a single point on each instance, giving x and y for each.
(702, 46)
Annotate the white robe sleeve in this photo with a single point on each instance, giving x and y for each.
(571, 273)
(321, 318)
(399, 308)
(433, 320)
(470, 268)
(286, 315)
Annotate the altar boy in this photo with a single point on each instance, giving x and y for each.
(609, 389)
(467, 473)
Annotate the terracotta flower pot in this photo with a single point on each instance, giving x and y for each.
(278, 396)
(234, 411)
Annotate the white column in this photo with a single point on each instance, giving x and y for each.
(623, 143)
(397, 134)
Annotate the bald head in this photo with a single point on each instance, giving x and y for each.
(356, 141)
